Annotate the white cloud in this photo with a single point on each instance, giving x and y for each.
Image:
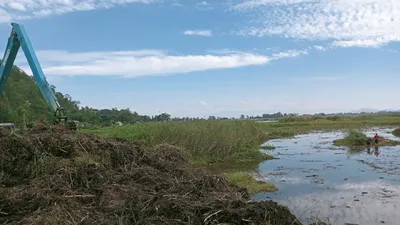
(203, 6)
(26, 9)
(320, 48)
(142, 62)
(136, 63)
(289, 54)
(203, 103)
(364, 23)
(360, 43)
(4, 16)
(251, 4)
(177, 4)
(17, 6)
(206, 33)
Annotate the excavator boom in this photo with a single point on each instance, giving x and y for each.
(19, 38)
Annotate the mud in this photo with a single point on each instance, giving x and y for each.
(336, 184)
(54, 176)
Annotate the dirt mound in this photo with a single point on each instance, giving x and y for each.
(55, 176)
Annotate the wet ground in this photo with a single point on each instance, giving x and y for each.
(318, 180)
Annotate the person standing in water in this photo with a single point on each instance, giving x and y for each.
(376, 138)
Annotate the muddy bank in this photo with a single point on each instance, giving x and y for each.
(54, 176)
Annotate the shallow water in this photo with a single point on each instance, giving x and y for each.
(318, 180)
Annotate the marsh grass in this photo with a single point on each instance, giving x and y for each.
(208, 142)
(237, 142)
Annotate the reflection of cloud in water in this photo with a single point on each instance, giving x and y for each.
(280, 176)
(348, 205)
(291, 180)
(366, 186)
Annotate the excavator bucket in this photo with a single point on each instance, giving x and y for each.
(71, 125)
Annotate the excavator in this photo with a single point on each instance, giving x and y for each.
(19, 38)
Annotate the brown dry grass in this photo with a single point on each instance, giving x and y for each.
(54, 176)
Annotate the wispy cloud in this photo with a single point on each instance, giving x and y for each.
(361, 43)
(17, 6)
(136, 63)
(320, 48)
(142, 62)
(177, 4)
(206, 33)
(289, 54)
(361, 23)
(204, 6)
(203, 103)
(26, 9)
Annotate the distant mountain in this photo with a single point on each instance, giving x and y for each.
(366, 110)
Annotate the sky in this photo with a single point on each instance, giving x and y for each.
(215, 57)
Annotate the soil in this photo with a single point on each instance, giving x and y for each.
(49, 175)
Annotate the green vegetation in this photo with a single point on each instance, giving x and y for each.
(353, 138)
(396, 132)
(224, 143)
(21, 102)
(244, 180)
(267, 147)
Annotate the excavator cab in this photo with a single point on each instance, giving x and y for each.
(19, 38)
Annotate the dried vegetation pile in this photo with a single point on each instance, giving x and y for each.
(55, 176)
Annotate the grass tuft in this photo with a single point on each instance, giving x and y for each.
(244, 180)
(352, 138)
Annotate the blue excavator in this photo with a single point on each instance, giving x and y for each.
(19, 38)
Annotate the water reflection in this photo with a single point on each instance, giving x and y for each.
(366, 203)
(369, 151)
(359, 186)
(377, 152)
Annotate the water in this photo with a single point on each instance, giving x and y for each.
(318, 180)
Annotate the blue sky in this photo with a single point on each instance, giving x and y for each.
(224, 58)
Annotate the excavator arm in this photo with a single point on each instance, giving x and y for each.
(19, 38)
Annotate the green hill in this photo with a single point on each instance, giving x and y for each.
(21, 102)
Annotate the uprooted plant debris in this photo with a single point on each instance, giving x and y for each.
(49, 175)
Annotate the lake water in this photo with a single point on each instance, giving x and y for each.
(318, 180)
